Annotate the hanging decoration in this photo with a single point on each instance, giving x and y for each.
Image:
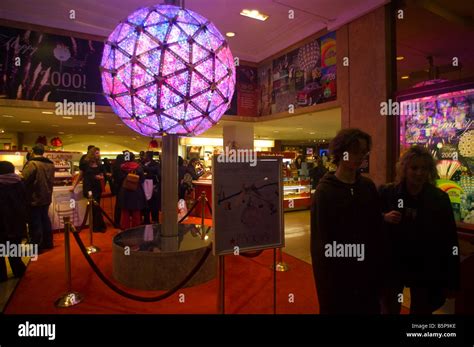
(168, 70)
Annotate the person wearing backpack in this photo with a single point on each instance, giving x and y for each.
(131, 197)
(38, 175)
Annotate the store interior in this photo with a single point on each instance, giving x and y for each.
(288, 117)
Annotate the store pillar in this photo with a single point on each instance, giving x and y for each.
(169, 185)
(240, 136)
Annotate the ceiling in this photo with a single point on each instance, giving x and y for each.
(440, 28)
(254, 40)
(110, 134)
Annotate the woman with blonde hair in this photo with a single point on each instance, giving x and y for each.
(423, 237)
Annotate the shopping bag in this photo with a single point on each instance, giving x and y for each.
(148, 188)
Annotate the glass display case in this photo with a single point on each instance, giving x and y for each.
(440, 117)
(296, 193)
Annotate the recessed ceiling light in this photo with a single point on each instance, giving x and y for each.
(230, 34)
(255, 14)
(92, 123)
(405, 77)
(61, 132)
(400, 57)
(25, 121)
(47, 112)
(65, 117)
(2, 131)
(7, 116)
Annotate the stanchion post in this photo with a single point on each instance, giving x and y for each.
(221, 286)
(280, 265)
(91, 248)
(203, 213)
(70, 298)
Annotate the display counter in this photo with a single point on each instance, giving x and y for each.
(67, 204)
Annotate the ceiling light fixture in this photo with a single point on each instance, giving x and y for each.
(401, 57)
(67, 117)
(47, 112)
(255, 14)
(405, 77)
(7, 116)
(230, 34)
(92, 123)
(25, 121)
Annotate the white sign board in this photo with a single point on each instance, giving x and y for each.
(247, 206)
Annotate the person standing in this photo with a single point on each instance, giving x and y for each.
(38, 175)
(131, 197)
(346, 227)
(424, 250)
(13, 216)
(152, 171)
(92, 174)
(317, 172)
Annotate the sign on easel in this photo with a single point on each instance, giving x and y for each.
(247, 205)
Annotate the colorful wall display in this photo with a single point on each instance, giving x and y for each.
(444, 123)
(247, 91)
(46, 67)
(303, 77)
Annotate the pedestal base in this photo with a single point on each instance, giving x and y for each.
(145, 259)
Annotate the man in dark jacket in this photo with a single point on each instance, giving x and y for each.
(346, 227)
(12, 216)
(38, 175)
(152, 171)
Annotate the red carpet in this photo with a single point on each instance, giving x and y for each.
(249, 286)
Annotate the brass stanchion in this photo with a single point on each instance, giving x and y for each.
(280, 265)
(91, 249)
(221, 285)
(203, 213)
(70, 298)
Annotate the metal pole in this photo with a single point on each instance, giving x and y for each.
(281, 266)
(91, 249)
(70, 298)
(274, 283)
(221, 286)
(169, 185)
(203, 213)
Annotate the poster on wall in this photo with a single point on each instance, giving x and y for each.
(247, 91)
(247, 205)
(300, 77)
(46, 67)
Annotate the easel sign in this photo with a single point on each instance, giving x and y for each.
(248, 205)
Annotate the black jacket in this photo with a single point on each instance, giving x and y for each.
(421, 251)
(347, 214)
(13, 211)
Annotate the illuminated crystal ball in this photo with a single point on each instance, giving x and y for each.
(167, 70)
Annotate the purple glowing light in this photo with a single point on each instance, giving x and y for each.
(167, 70)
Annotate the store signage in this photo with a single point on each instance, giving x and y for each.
(46, 67)
(247, 205)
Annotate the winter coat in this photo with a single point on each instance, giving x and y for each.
(13, 208)
(38, 175)
(421, 246)
(347, 214)
(131, 200)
